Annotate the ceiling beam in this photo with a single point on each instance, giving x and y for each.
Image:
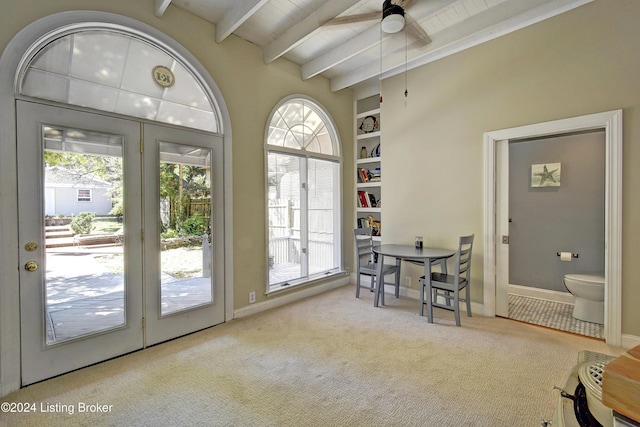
(161, 7)
(503, 19)
(238, 15)
(305, 28)
(347, 50)
(362, 42)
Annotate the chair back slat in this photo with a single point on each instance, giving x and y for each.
(364, 245)
(463, 257)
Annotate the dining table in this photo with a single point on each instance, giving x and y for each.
(424, 255)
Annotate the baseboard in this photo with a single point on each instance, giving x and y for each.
(545, 294)
(291, 297)
(630, 341)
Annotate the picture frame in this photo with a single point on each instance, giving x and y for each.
(545, 175)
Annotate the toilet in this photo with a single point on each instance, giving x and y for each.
(589, 293)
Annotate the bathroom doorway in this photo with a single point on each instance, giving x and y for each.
(556, 205)
(496, 242)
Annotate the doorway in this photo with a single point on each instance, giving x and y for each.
(119, 288)
(497, 216)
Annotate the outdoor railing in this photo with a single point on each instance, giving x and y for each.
(286, 250)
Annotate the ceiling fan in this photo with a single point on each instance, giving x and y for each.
(393, 19)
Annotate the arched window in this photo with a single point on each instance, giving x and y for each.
(113, 70)
(303, 194)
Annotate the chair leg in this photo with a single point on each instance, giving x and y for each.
(429, 302)
(398, 262)
(468, 297)
(422, 297)
(358, 284)
(456, 306)
(381, 285)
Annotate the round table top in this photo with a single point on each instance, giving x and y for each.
(410, 251)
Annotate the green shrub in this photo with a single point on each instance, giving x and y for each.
(170, 233)
(82, 223)
(193, 226)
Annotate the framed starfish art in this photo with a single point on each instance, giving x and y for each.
(545, 175)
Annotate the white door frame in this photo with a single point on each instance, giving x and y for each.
(10, 62)
(611, 123)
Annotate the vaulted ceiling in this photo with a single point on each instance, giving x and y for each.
(342, 40)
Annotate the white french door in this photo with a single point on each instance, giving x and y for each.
(106, 284)
(184, 289)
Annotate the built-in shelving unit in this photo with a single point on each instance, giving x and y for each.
(368, 195)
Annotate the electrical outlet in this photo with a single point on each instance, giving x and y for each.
(407, 281)
(252, 297)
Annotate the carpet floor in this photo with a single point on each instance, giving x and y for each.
(328, 360)
(551, 314)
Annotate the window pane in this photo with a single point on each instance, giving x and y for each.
(85, 282)
(284, 218)
(300, 126)
(185, 212)
(322, 216)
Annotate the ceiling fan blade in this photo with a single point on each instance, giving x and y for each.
(350, 19)
(415, 30)
(403, 3)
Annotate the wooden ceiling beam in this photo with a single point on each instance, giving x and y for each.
(306, 28)
(160, 7)
(242, 10)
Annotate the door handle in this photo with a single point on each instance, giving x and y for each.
(31, 266)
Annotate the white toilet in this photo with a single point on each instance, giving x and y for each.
(589, 293)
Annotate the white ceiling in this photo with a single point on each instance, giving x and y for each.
(350, 54)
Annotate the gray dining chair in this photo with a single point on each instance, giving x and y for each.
(366, 264)
(443, 290)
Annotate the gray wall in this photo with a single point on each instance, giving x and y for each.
(553, 219)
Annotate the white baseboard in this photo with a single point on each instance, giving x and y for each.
(291, 297)
(545, 294)
(630, 341)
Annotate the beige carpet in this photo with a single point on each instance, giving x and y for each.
(331, 360)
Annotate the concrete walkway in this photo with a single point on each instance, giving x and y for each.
(84, 297)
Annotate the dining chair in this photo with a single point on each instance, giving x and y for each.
(366, 264)
(443, 290)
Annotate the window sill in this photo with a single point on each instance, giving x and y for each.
(300, 283)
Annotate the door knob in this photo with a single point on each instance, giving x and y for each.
(31, 266)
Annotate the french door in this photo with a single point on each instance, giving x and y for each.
(120, 230)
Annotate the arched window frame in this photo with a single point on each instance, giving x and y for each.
(307, 157)
(186, 62)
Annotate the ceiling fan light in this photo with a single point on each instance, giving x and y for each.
(392, 23)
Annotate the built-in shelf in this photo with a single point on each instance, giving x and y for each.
(367, 133)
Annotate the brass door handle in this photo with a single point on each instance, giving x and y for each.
(31, 266)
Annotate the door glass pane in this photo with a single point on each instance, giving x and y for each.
(322, 176)
(285, 251)
(186, 256)
(84, 233)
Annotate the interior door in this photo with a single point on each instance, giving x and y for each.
(80, 297)
(184, 244)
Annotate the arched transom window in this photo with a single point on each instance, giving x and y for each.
(303, 194)
(110, 69)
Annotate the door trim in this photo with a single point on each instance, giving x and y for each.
(611, 123)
